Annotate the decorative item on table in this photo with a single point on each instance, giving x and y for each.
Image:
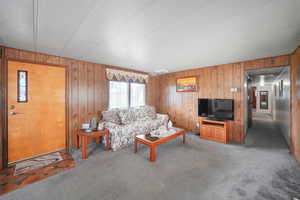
(150, 137)
(93, 123)
(170, 124)
(162, 131)
(87, 130)
(100, 126)
(85, 126)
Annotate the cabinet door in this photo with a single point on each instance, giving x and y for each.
(220, 134)
(207, 132)
(203, 132)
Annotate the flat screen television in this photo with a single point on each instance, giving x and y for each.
(217, 109)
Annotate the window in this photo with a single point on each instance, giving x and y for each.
(137, 94)
(22, 86)
(118, 94)
(125, 94)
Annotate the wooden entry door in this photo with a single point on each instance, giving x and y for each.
(36, 126)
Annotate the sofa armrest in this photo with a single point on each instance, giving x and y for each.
(163, 118)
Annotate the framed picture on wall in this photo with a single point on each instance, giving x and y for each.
(264, 100)
(281, 88)
(186, 84)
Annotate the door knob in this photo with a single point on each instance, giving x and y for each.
(12, 107)
(14, 113)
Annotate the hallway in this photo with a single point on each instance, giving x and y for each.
(265, 134)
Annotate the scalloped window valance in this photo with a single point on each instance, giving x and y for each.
(113, 74)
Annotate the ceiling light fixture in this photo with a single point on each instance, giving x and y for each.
(160, 71)
(262, 81)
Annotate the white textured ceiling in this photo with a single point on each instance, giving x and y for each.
(150, 35)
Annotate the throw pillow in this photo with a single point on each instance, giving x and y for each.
(111, 116)
(127, 116)
(145, 113)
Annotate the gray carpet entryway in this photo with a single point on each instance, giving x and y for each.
(260, 169)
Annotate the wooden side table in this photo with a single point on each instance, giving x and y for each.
(94, 134)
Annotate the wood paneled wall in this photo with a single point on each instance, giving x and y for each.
(295, 87)
(153, 91)
(87, 86)
(2, 90)
(213, 82)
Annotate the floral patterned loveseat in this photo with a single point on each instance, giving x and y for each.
(124, 125)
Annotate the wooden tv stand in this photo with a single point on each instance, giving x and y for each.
(214, 130)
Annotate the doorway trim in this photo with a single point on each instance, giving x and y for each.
(4, 107)
(291, 147)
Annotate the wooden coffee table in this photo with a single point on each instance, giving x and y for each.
(153, 144)
(94, 134)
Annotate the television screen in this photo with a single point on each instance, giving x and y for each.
(222, 109)
(203, 107)
(219, 109)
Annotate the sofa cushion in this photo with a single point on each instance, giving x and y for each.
(111, 116)
(127, 116)
(145, 113)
